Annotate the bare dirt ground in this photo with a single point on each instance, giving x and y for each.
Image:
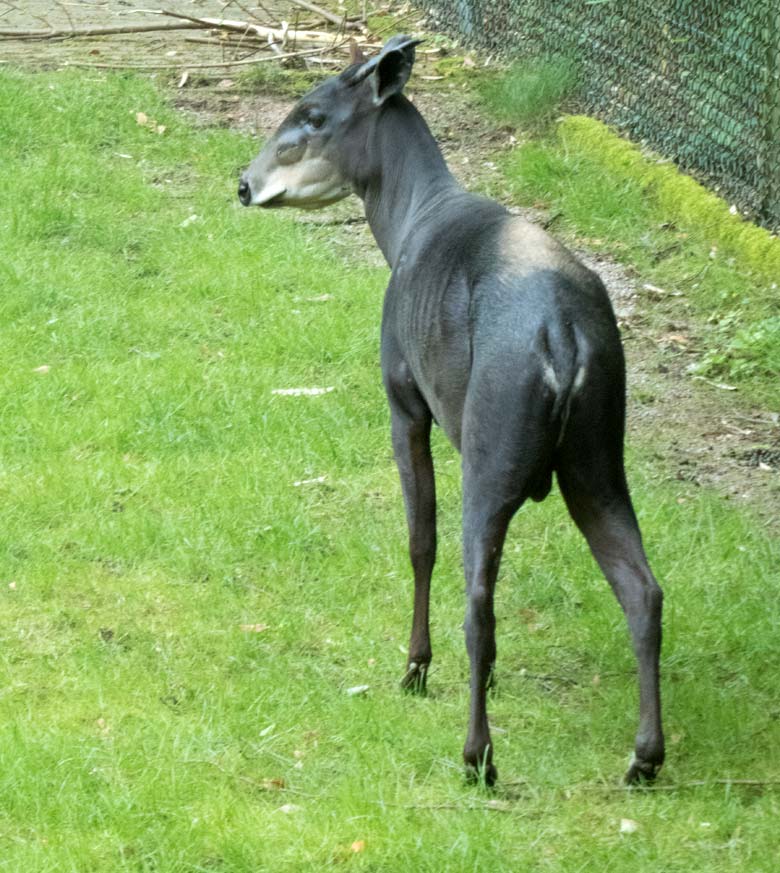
(703, 434)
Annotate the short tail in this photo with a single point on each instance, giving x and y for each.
(565, 372)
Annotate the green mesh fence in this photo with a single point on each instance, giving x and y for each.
(697, 80)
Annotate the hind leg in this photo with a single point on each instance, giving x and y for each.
(484, 532)
(505, 460)
(598, 499)
(411, 426)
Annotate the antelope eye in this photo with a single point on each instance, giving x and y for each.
(316, 120)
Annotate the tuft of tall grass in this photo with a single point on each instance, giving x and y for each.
(531, 91)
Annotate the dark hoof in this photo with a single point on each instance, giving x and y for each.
(640, 772)
(415, 678)
(479, 764)
(482, 775)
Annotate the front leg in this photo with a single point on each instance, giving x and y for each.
(411, 421)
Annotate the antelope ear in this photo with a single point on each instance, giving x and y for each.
(393, 68)
(356, 56)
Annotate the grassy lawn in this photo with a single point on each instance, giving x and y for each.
(182, 622)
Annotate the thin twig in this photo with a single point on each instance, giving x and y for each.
(394, 25)
(340, 20)
(66, 12)
(99, 31)
(278, 34)
(263, 786)
(242, 7)
(489, 806)
(676, 786)
(252, 43)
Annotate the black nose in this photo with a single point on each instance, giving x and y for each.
(244, 194)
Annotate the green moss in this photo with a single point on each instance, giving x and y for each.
(680, 197)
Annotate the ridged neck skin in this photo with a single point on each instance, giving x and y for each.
(403, 176)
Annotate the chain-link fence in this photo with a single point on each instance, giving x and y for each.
(698, 80)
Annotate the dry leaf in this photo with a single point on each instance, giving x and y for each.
(677, 338)
(44, 368)
(628, 826)
(358, 846)
(12, 586)
(254, 628)
(143, 119)
(184, 79)
(274, 784)
(316, 481)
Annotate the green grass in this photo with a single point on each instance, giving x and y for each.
(529, 93)
(278, 80)
(673, 233)
(148, 516)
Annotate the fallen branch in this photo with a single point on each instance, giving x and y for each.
(252, 42)
(98, 31)
(281, 35)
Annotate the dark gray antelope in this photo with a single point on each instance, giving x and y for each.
(497, 333)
